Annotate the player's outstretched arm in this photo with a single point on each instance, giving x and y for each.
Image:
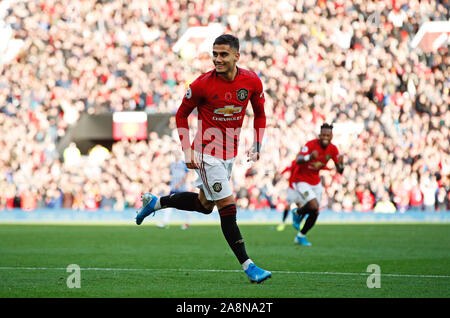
(189, 157)
(259, 121)
(181, 119)
(254, 153)
(340, 164)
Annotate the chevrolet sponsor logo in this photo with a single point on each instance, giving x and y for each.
(228, 110)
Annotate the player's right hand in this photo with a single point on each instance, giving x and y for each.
(189, 157)
(253, 154)
(314, 154)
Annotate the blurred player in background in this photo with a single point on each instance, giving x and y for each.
(178, 183)
(291, 196)
(221, 97)
(312, 158)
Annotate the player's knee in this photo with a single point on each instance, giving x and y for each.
(207, 207)
(314, 207)
(208, 210)
(315, 211)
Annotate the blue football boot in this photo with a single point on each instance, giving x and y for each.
(256, 274)
(301, 240)
(296, 219)
(148, 207)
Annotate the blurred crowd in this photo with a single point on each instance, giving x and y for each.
(344, 62)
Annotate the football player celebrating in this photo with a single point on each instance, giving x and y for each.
(312, 158)
(221, 97)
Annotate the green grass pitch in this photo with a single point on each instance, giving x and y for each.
(123, 261)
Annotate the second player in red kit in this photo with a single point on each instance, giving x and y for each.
(306, 182)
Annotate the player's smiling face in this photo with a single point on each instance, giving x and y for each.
(224, 58)
(325, 137)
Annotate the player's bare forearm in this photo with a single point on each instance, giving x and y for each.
(259, 124)
(189, 157)
(340, 164)
(254, 153)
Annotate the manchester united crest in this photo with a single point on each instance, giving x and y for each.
(217, 187)
(242, 94)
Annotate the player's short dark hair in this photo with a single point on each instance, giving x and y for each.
(326, 126)
(227, 39)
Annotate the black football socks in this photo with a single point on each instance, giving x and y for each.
(285, 214)
(231, 232)
(187, 201)
(303, 210)
(309, 223)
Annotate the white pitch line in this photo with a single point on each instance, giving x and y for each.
(220, 271)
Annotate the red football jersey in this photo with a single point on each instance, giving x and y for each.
(309, 171)
(221, 106)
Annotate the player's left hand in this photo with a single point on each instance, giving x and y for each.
(340, 159)
(253, 154)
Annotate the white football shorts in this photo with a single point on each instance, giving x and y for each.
(214, 176)
(306, 192)
(292, 196)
